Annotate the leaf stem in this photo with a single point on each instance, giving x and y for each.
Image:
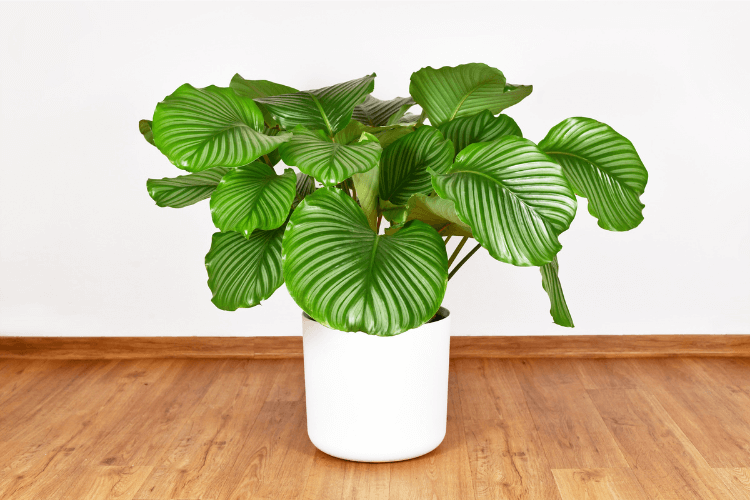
(380, 219)
(447, 239)
(463, 261)
(457, 250)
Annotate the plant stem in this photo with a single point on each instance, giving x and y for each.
(448, 239)
(380, 219)
(422, 117)
(354, 192)
(457, 250)
(268, 160)
(463, 261)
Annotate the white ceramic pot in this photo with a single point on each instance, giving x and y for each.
(376, 399)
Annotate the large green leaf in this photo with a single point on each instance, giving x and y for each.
(602, 166)
(212, 127)
(366, 185)
(243, 271)
(375, 113)
(329, 108)
(255, 89)
(329, 162)
(514, 197)
(348, 278)
(253, 197)
(438, 213)
(144, 126)
(465, 90)
(551, 284)
(482, 127)
(404, 164)
(185, 190)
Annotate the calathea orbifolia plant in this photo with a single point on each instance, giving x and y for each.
(469, 173)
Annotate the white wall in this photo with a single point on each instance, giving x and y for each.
(84, 251)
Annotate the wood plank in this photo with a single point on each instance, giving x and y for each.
(194, 464)
(545, 346)
(505, 452)
(59, 451)
(366, 481)
(737, 480)
(276, 455)
(715, 417)
(110, 483)
(606, 373)
(660, 455)
(444, 473)
(572, 432)
(599, 484)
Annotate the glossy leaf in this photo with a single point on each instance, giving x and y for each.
(328, 109)
(404, 164)
(244, 271)
(390, 134)
(452, 92)
(551, 284)
(514, 197)
(305, 186)
(375, 113)
(438, 213)
(367, 186)
(185, 190)
(348, 278)
(144, 126)
(603, 167)
(255, 89)
(274, 156)
(212, 127)
(329, 162)
(253, 197)
(482, 127)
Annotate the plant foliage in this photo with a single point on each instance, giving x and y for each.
(456, 168)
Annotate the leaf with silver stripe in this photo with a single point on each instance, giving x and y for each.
(603, 167)
(253, 197)
(328, 109)
(348, 278)
(144, 126)
(404, 164)
(514, 197)
(551, 284)
(178, 192)
(260, 88)
(375, 113)
(452, 92)
(329, 162)
(244, 271)
(212, 127)
(305, 186)
(482, 127)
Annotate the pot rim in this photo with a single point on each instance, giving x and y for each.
(442, 313)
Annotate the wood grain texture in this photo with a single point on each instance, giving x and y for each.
(599, 484)
(231, 429)
(505, 451)
(550, 346)
(572, 431)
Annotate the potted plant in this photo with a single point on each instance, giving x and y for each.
(376, 339)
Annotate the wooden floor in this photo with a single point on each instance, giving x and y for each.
(184, 429)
